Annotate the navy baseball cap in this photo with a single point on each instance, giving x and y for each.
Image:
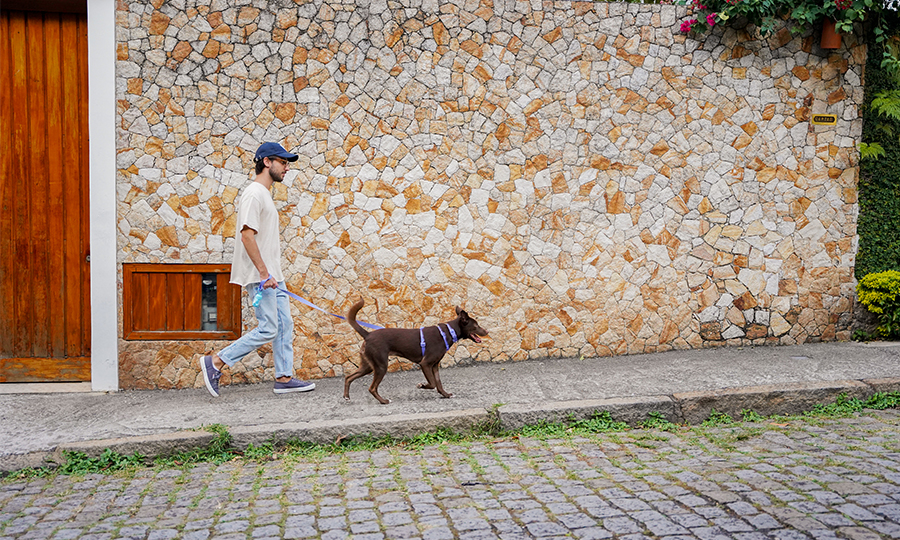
(271, 149)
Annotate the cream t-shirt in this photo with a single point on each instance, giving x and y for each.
(256, 210)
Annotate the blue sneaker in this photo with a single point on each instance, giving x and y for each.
(210, 375)
(293, 385)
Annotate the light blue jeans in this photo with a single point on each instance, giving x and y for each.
(275, 325)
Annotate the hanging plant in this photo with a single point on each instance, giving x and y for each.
(768, 16)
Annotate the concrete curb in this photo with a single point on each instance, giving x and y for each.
(629, 410)
(767, 400)
(399, 426)
(15, 462)
(884, 385)
(148, 445)
(687, 407)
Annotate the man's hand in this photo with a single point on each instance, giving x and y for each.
(248, 237)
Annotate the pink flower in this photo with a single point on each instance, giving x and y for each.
(687, 26)
(711, 19)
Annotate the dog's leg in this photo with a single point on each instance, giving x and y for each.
(380, 370)
(429, 376)
(365, 367)
(437, 380)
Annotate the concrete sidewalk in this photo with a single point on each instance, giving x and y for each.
(683, 385)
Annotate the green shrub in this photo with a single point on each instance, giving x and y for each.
(879, 293)
(879, 183)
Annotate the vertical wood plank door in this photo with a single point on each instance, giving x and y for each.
(44, 269)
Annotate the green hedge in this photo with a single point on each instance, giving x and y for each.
(879, 183)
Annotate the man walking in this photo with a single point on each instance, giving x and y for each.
(257, 267)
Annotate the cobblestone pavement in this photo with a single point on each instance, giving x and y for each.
(832, 478)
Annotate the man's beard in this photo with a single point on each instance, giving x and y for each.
(278, 177)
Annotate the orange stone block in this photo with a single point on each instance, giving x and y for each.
(391, 38)
(552, 35)
(600, 162)
(837, 96)
(212, 49)
(135, 86)
(615, 204)
(801, 72)
(181, 51)
(247, 15)
(766, 175)
(472, 48)
(481, 73)
(659, 148)
(222, 31)
(285, 112)
(168, 236)
(514, 45)
(486, 11)
(742, 141)
(704, 206)
(440, 34)
(159, 22)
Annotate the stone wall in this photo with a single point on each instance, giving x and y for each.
(581, 177)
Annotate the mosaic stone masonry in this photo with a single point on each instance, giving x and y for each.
(581, 177)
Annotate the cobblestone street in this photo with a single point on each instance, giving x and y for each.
(823, 478)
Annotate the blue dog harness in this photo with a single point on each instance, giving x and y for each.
(447, 344)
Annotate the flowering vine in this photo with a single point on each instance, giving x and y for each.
(768, 15)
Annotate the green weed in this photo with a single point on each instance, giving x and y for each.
(748, 415)
(218, 451)
(262, 452)
(880, 401)
(842, 407)
(717, 418)
(598, 422)
(656, 420)
(79, 464)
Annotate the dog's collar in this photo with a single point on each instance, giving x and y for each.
(453, 338)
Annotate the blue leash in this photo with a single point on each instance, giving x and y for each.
(258, 298)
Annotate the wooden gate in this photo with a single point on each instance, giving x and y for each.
(44, 270)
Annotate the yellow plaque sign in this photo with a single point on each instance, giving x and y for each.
(824, 119)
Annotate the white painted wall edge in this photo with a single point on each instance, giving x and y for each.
(102, 135)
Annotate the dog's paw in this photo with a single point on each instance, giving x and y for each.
(424, 386)
(346, 400)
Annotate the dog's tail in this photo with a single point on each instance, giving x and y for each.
(351, 318)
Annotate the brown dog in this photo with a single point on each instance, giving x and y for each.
(424, 346)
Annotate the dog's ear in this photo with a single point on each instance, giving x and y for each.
(459, 310)
(462, 313)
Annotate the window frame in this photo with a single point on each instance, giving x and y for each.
(228, 301)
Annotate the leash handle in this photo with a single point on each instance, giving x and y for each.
(259, 290)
